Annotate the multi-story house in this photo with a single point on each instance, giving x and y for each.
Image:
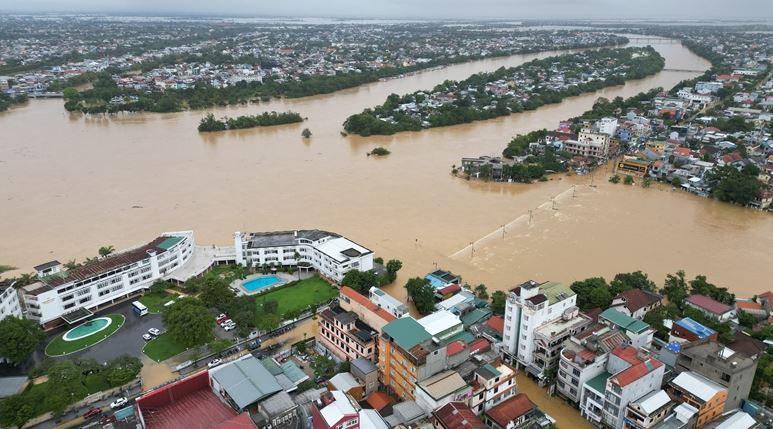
(583, 358)
(528, 307)
(639, 332)
(549, 339)
(330, 254)
(387, 302)
(630, 374)
(511, 413)
(606, 126)
(647, 411)
(441, 389)
(698, 391)
(337, 410)
(407, 353)
(688, 330)
(731, 370)
(9, 301)
(491, 383)
(636, 302)
(345, 336)
(368, 312)
(456, 415)
(68, 296)
(589, 145)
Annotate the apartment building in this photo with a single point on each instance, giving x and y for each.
(606, 126)
(648, 411)
(68, 296)
(549, 339)
(492, 384)
(387, 302)
(584, 357)
(408, 354)
(589, 145)
(630, 374)
(368, 312)
(9, 301)
(731, 370)
(345, 335)
(328, 253)
(528, 307)
(698, 391)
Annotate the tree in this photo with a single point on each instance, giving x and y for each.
(676, 182)
(122, 370)
(188, 322)
(15, 411)
(392, 267)
(592, 293)
(106, 251)
(628, 180)
(344, 366)
(746, 319)
(69, 93)
(481, 292)
(646, 183)
(733, 186)
(635, 280)
(675, 288)
(614, 179)
(215, 292)
(421, 292)
(160, 286)
(6, 268)
(306, 133)
(19, 338)
(323, 366)
(701, 286)
(498, 302)
(361, 281)
(656, 316)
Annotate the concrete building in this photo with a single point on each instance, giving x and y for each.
(723, 366)
(638, 332)
(636, 302)
(456, 415)
(368, 312)
(366, 372)
(330, 254)
(69, 296)
(528, 307)
(441, 324)
(441, 389)
(589, 145)
(335, 410)
(606, 126)
(345, 382)
(345, 335)
(492, 384)
(511, 413)
(703, 394)
(711, 307)
(243, 382)
(388, 302)
(549, 339)
(9, 301)
(647, 411)
(688, 330)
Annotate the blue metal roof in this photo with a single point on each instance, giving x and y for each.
(674, 347)
(695, 327)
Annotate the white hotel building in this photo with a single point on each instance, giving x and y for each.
(330, 254)
(67, 296)
(9, 301)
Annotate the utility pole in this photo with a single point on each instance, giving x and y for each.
(531, 216)
(503, 231)
(472, 248)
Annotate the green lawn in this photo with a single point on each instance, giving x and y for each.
(59, 347)
(301, 295)
(162, 348)
(155, 301)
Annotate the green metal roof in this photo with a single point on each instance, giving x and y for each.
(623, 321)
(169, 242)
(465, 336)
(293, 371)
(475, 316)
(554, 290)
(406, 332)
(599, 382)
(492, 369)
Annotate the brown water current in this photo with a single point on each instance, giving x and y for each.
(69, 184)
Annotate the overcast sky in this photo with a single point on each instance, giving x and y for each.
(473, 9)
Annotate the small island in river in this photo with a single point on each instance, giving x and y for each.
(265, 119)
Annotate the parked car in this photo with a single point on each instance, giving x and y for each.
(147, 337)
(107, 419)
(220, 319)
(214, 362)
(92, 413)
(254, 344)
(120, 402)
(229, 327)
(155, 332)
(222, 316)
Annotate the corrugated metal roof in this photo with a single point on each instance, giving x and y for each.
(246, 381)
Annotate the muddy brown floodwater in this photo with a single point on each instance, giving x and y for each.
(70, 184)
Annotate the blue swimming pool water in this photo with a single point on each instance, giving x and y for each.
(260, 283)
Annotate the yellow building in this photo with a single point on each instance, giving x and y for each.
(631, 165)
(407, 354)
(693, 389)
(656, 146)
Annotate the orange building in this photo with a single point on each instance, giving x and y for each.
(693, 389)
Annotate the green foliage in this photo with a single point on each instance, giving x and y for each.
(675, 288)
(306, 133)
(160, 286)
(106, 251)
(215, 292)
(592, 293)
(498, 302)
(379, 151)
(188, 322)
(6, 101)
(209, 123)
(733, 124)
(19, 338)
(344, 366)
(614, 179)
(747, 319)
(421, 292)
(628, 180)
(646, 183)
(323, 366)
(481, 291)
(701, 286)
(656, 316)
(676, 182)
(519, 145)
(635, 280)
(218, 345)
(6, 268)
(392, 267)
(361, 281)
(733, 186)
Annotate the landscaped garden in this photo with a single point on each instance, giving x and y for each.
(297, 296)
(155, 301)
(162, 348)
(85, 335)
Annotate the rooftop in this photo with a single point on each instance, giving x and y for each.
(406, 332)
(439, 321)
(350, 294)
(341, 249)
(599, 382)
(245, 380)
(457, 415)
(709, 304)
(340, 407)
(697, 385)
(623, 321)
(636, 299)
(510, 410)
(696, 328)
(284, 238)
(635, 372)
(441, 385)
(556, 291)
(344, 381)
(652, 401)
(739, 420)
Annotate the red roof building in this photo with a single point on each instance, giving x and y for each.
(515, 411)
(456, 415)
(497, 323)
(636, 302)
(711, 307)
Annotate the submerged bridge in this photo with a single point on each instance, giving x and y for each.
(45, 95)
(660, 40)
(685, 70)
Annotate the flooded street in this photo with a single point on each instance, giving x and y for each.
(565, 415)
(70, 184)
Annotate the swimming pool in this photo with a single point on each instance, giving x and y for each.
(86, 329)
(259, 283)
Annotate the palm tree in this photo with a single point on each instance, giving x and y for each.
(4, 268)
(71, 264)
(27, 278)
(297, 256)
(105, 251)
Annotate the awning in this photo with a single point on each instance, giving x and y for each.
(77, 315)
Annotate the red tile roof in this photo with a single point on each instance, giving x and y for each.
(748, 305)
(365, 302)
(452, 288)
(457, 415)
(455, 347)
(683, 151)
(479, 344)
(510, 410)
(708, 304)
(496, 323)
(636, 372)
(636, 299)
(378, 400)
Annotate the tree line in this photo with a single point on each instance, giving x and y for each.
(265, 119)
(7, 101)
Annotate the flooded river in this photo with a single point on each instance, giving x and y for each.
(69, 184)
